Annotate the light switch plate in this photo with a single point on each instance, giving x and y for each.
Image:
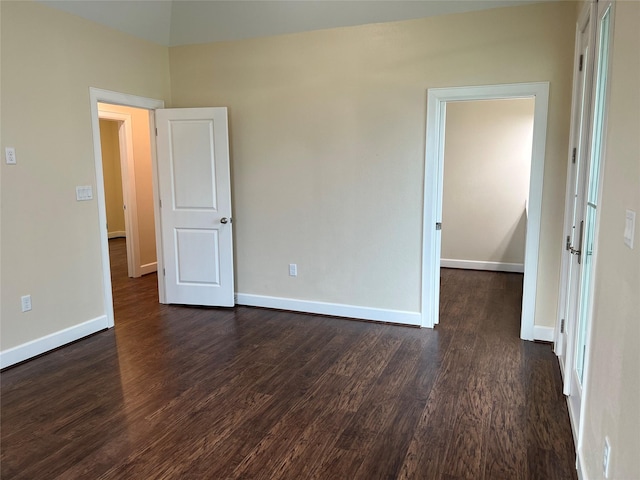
(84, 192)
(25, 301)
(629, 228)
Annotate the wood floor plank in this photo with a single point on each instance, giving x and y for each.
(506, 442)
(472, 418)
(338, 463)
(177, 392)
(396, 435)
(316, 442)
(431, 438)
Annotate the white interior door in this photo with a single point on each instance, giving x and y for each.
(195, 206)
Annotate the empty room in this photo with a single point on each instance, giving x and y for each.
(309, 284)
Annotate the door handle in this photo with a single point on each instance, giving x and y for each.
(575, 251)
(224, 220)
(580, 244)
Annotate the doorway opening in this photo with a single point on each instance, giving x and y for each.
(128, 187)
(141, 209)
(190, 160)
(487, 165)
(438, 99)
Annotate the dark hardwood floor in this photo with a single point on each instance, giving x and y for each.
(186, 393)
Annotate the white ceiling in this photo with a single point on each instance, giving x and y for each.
(182, 22)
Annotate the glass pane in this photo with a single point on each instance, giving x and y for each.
(587, 272)
(601, 84)
(578, 157)
(586, 280)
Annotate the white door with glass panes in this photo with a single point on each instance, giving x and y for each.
(576, 186)
(581, 241)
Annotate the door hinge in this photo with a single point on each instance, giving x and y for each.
(562, 326)
(160, 202)
(164, 272)
(157, 129)
(573, 155)
(438, 226)
(581, 62)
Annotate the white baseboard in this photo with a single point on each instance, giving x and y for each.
(148, 268)
(476, 265)
(333, 309)
(117, 234)
(544, 334)
(41, 345)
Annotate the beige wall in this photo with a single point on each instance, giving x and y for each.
(487, 165)
(327, 134)
(327, 141)
(143, 180)
(51, 242)
(110, 144)
(612, 399)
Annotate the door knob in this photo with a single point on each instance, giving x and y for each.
(224, 220)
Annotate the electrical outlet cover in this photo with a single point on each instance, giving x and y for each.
(10, 155)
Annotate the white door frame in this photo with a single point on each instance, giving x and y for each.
(125, 140)
(437, 99)
(96, 96)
